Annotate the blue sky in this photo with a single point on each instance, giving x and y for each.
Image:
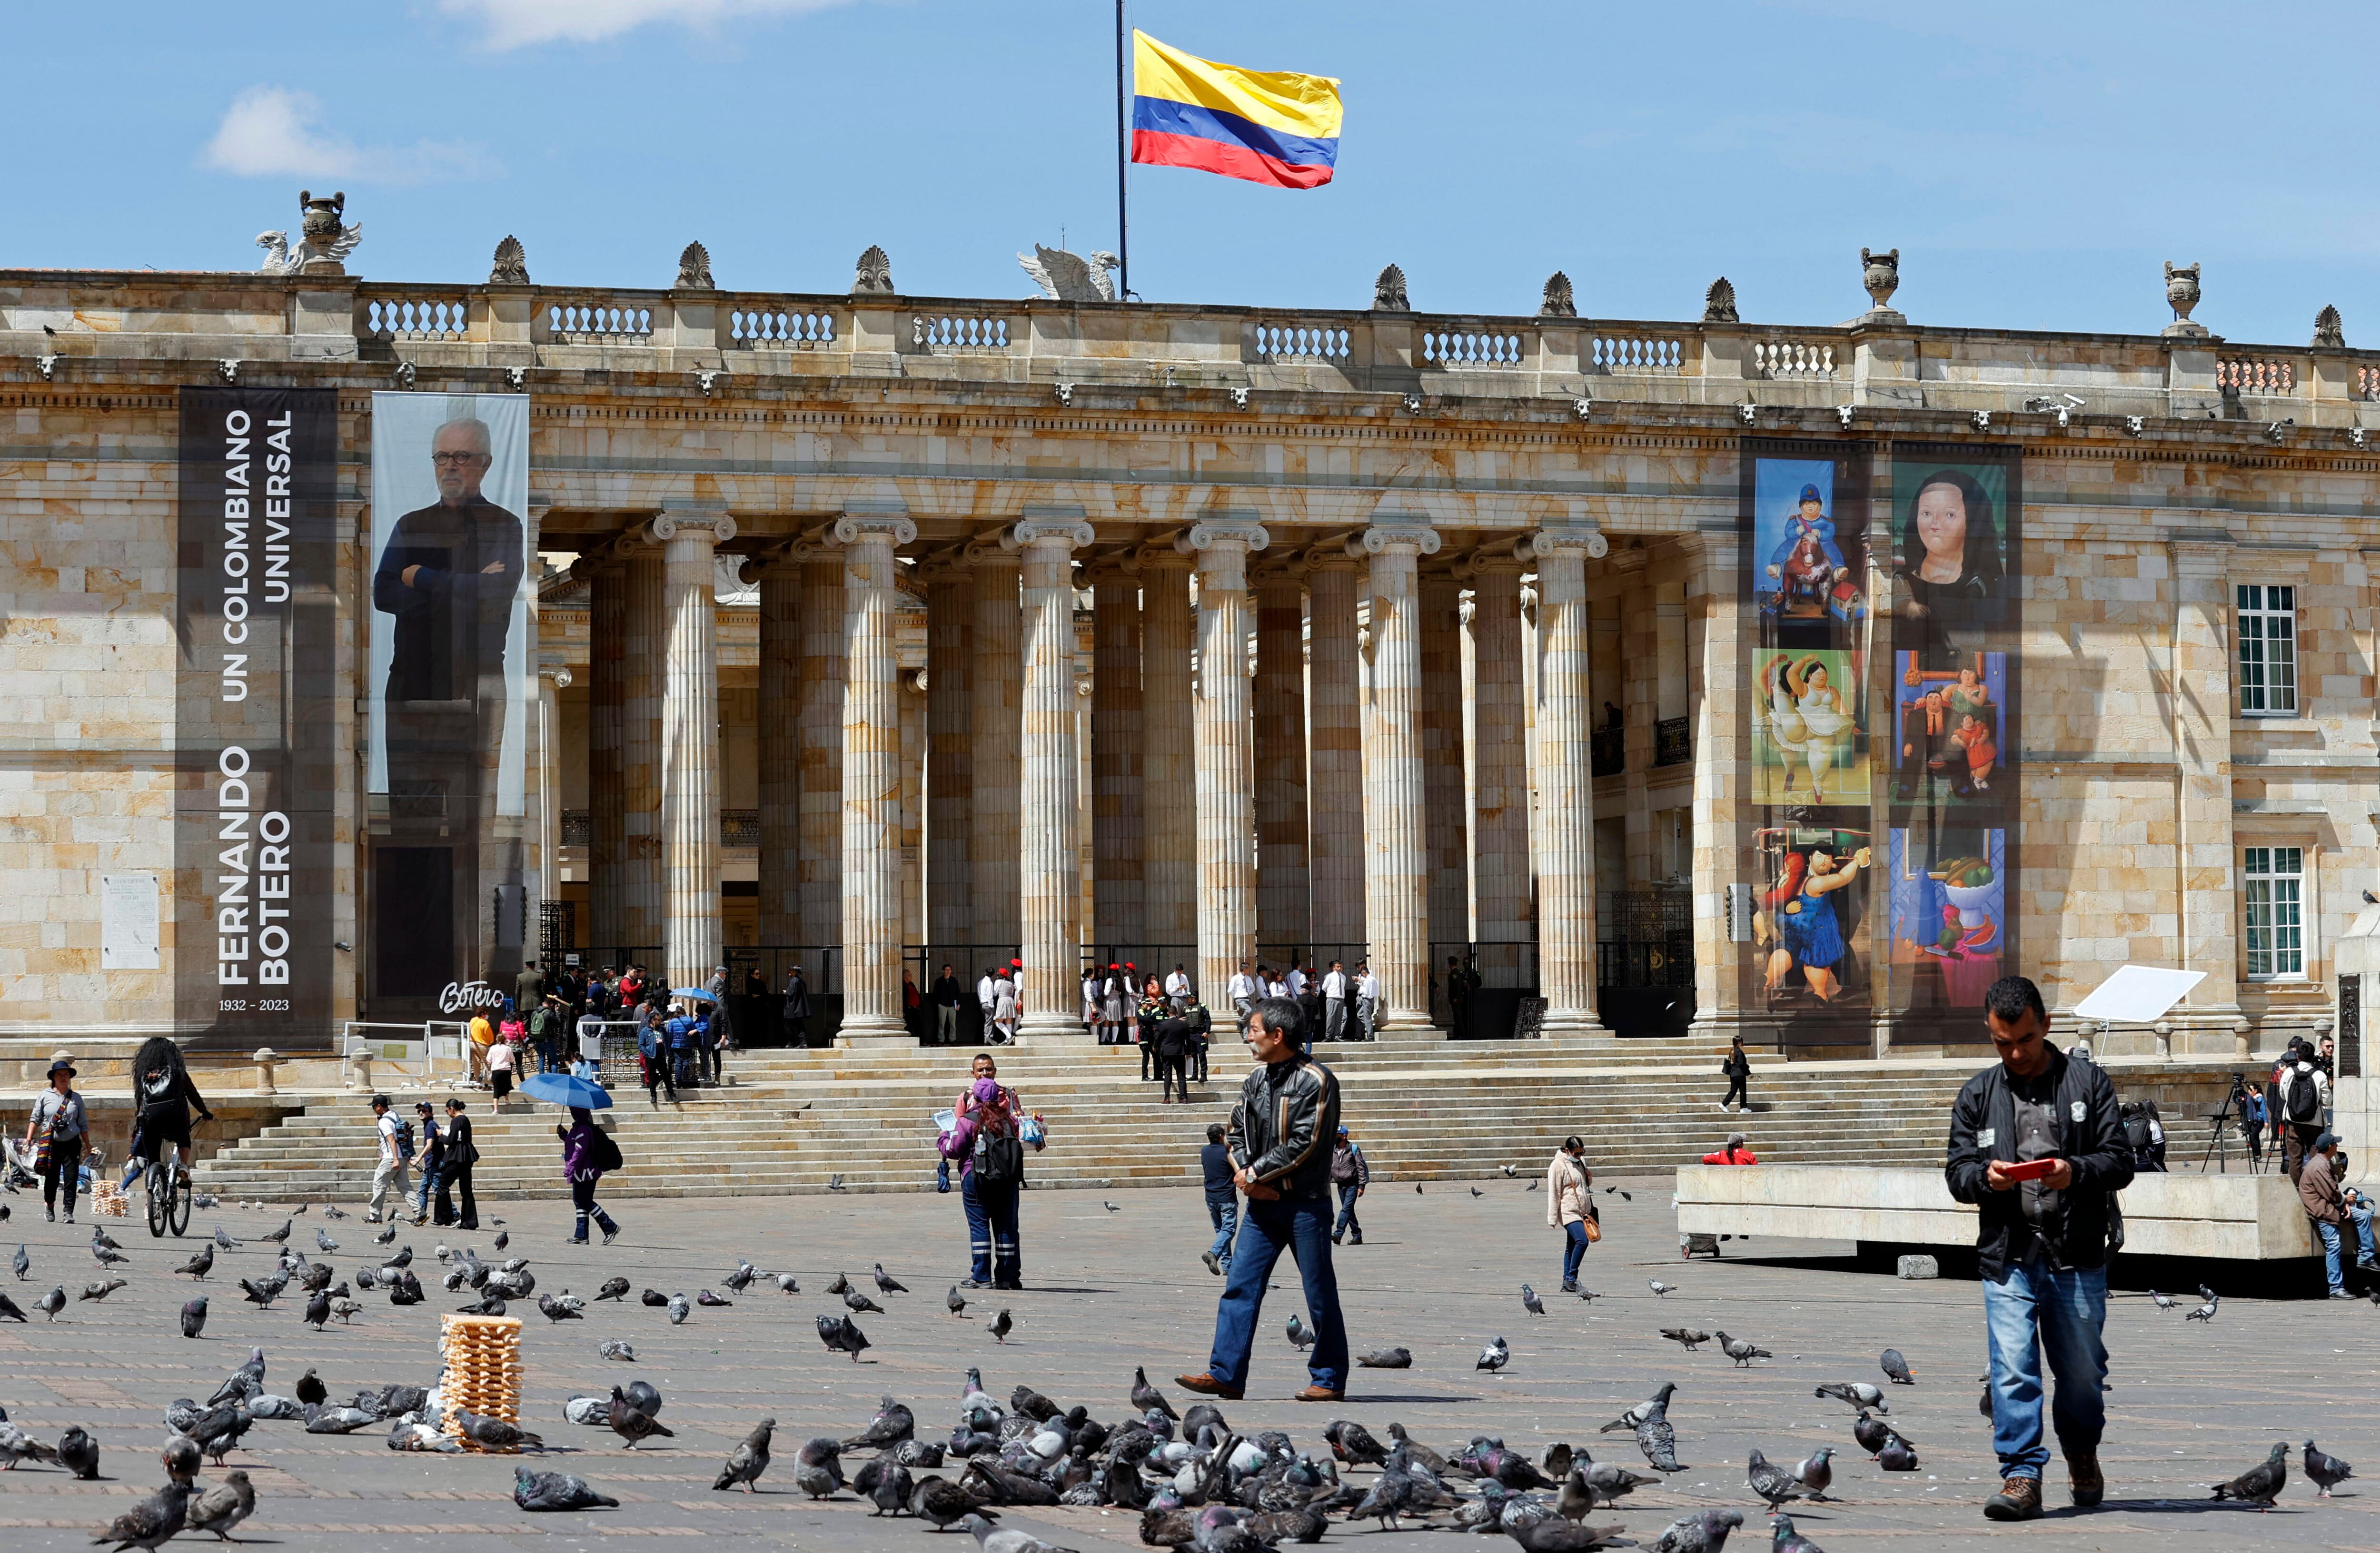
(2034, 164)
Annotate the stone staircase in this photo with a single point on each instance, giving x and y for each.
(794, 1120)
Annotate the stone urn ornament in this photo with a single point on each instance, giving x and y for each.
(2182, 293)
(1880, 273)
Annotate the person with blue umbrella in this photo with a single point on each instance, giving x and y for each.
(587, 1151)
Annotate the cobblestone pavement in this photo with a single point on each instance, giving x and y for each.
(1110, 1289)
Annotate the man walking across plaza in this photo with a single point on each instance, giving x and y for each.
(1222, 1200)
(1350, 1172)
(2042, 1241)
(1279, 1142)
(395, 1148)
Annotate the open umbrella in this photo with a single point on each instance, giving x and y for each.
(567, 1089)
(701, 992)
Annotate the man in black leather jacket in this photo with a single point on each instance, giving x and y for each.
(2044, 1243)
(1281, 1138)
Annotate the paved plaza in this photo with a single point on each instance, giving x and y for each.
(1112, 1288)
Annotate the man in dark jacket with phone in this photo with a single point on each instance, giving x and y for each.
(2037, 1144)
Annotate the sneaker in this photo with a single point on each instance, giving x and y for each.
(973, 1283)
(1214, 1262)
(2018, 1500)
(611, 1234)
(1356, 1238)
(2367, 1264)
(573, 1239)
(2334, 1293)
(1337, 1239)
(49, 1216)
(1208, 1386)
(1319, 1394)
(1570, 1288)
(69, 1215)
(2085, 1485)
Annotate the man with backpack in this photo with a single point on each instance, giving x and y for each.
(1351, 1172)
(2304, 1095)
(395, 1154)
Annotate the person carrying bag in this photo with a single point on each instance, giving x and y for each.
(1569, 1208)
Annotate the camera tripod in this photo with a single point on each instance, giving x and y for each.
(2234, 1110)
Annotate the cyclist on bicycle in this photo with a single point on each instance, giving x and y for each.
(164, 1094)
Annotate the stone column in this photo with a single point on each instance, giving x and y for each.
(871, 809)
(819, 733)
(1499, 838)
(1226, 888)
(550, 684)
(1049, 806)
(1640, 670)
(1117, 876)
(1396, 882)
(1443, 800)
(1716, 682)
(997, 672)
(1334, 758)
(1169, 764)
(1565, 718)
(780, 581)
(1284, 900)
(607, 690)
(640, 746)
(913, 816)
(690, 742)
(949, 738)
(2203, 838)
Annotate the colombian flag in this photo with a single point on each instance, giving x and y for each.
(1275, 127)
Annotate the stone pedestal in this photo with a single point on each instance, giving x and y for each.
(1396, 881)
(690, 744)
(1565, 789)
(1227, 904)
(872, 780)
(1049, 811)
(1334, 758)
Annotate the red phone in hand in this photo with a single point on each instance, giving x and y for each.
(2029, 1169)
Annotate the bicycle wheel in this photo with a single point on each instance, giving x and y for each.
(154, 1179)
(177, 1208)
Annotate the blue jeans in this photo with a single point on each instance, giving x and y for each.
(1301, 1228)
(1573, 1251)
(1226, 1220)
(2362, 1218)
(2065, 1311)
(1348, 1193)
(430, 1174)
(991, 1227)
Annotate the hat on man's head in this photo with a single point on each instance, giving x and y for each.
(2325, 1140)
(62, 1066)
(1810, 493)
(1342, 1132)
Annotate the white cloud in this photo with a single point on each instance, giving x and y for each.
(271, 132)
(513, 23)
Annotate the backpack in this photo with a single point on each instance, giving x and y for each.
(404, 1140)
(2305, 1105)
(603, 1151)
(2136, 1133)
(999, 1157)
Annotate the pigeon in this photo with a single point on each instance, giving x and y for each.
(556, 1310)
(1530, 1303)
(957, 1301)
(486, 1304)
(1896, 1456)
(1476, 1193)
(16, 1446)
(1854, 1394)
(1740, 1351)
(943, 1503)
(678, 1309)
(749, 1460)
(892, 1424)
(744, 1274)
(322, 1419)
(705, 1298)
(2205, 1312)
(1011, 1541)
(1816, 1472)
(20, 1264)
(1785, 1539)
(632, 1424)
(200, 1265)
(504, 1238)
(1576, 1499)
(14, 1312)
(225, 1241)
(556, 1490)
(1391, 1493)
(643, 1398)
(2261, 1484)
(1704, 1530)
(1299, 1336)
(841, 1337)
(856, 1301)
(1108, 1205)
(1001, 1325)
(834, 1183)
(258, 1293)
(1871, 1433)
(2326, 1470)
(218, 1430)
(318, 1310)
(224, 1506)
(1687, 1336)
(654, 1298)
(310, 1388)
(154, 1521)
(330, 1210)
(1658, 1440)
(1354, 1444)
(615, 1349)
(281, 1235)
(53, 1302)
(1554, 1534)
(817, 1471)
(322, 1239)
(613, 1289)
(1896, 1368)
(918, 1453)
(482, 1429)
(100, 1291)
(1609, 1480)
(1658, 1287)
(344, 1308)
(180, 1458)
(2165, 1302)
(78, 1453)
(1494, 1357)
(1589, 1295)
(1385, 1359)
(1770, 1482)
(789, 1283)
(887, 1483)
(99, 1236)
(839, 1285)
(1145, 1396)
(109, 1259)
(1656, 1407)
(885, 1285)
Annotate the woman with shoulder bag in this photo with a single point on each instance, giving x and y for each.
(458, 1155)
(56, 1134)
(989, 1134)
(1569, 1208)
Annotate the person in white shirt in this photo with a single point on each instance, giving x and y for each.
(1242, 993)
(391, 1170)
(1334, 1002)
(1367, 1000)
(1004, 1010)
(1295, 982)
(985, 997)
(1177, 986)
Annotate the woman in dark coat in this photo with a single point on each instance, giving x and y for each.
(455, 1169)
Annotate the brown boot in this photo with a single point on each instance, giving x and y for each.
(2018, 1500)
(2085, 1485)
(1208, 1386)
(1318, 1394)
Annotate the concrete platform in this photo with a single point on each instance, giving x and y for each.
(2236, 1218)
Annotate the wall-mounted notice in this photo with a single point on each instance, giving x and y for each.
(127, 922)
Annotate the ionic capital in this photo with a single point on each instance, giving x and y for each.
(1065, 529)
(718, 527)
(1409, 533)
(1231, 535)
(1569, 542)
(889, 528)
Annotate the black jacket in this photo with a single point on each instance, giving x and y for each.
(2089, 1129)
(1282, 1128)
(1214, 1168)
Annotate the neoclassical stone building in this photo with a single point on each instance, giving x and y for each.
(874, 631)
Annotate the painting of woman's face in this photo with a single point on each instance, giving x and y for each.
(1817, 676)
(1942, 526)
(1967, 679)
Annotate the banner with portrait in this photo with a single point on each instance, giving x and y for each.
(255, 730)
(448, 692)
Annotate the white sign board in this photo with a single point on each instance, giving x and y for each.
(127, 922)
(2138, 994)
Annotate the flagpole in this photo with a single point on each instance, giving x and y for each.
(1123, 238)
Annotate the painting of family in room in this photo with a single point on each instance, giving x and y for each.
(1805, 571)
(1950, 915)
(1951, 738)
(1811, 891)
(1809, 745)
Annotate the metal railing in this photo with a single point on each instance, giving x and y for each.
(1608, 751)
(1672, 742)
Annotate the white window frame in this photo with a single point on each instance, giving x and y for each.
(2274, 914)
(2266, 656)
